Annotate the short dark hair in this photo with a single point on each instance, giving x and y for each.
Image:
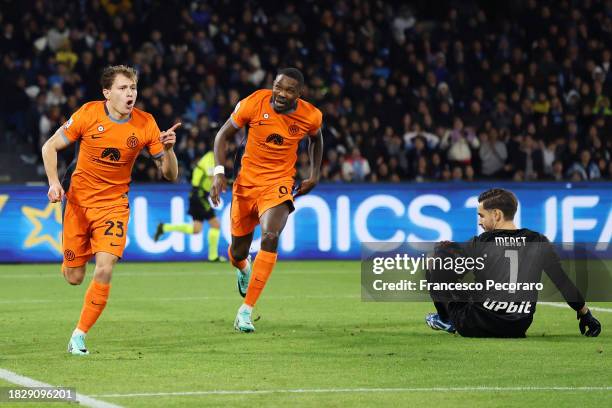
(499, 199)
(293, 73)
(109, 73)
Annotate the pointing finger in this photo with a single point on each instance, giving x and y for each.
(174, 127)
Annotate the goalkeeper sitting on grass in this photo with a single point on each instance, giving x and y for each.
(511, 255)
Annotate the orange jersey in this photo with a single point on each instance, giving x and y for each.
(107, 151)
(273, 138)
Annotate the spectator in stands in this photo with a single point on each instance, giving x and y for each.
(557, 171)
(417, 152)
(493, 154)
(585, 168)
(529, 161)
(356, 167)
(459, 142)
(331, 168)
(469, 173)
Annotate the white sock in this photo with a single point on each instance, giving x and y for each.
(246, 308)
(77, 332)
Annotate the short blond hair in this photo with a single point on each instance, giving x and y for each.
(109, 73)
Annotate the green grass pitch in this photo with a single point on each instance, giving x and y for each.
(168, 329)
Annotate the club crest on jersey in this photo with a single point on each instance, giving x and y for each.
(100, 128)
(294, 129)
(112, 153)
(132, 141)
(69, 255)
(276, 139)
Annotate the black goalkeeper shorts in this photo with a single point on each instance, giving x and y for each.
(470, 318)
(473, 320)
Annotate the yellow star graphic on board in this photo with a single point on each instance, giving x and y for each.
(3, 199)
(35, 215)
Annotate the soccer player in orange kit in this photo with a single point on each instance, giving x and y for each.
(110, 135)
(276, 121)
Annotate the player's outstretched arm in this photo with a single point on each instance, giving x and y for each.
(168, 164)
(55, 143)
(315, 152)
(227, 131)
(588, 325)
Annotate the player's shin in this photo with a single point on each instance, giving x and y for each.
(93, 304)
(262, 268)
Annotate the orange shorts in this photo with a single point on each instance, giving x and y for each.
(250, 202)
(87, 231)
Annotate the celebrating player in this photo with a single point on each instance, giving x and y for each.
(199, 208)
(110, 135)
(276, 121)
(511, 255)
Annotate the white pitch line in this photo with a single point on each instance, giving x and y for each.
(355, 390)
(84, 400)
(566, 306)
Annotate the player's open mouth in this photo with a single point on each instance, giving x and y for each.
(130, 103)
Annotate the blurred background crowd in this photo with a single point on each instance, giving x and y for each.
(444, 90)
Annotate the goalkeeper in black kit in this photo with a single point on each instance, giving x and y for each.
(513, 263)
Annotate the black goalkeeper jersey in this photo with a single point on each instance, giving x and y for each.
(517, 258)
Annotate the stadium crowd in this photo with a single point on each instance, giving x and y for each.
(447, 91)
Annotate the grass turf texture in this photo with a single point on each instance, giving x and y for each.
(168, 328)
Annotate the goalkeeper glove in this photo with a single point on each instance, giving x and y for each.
(588, 321)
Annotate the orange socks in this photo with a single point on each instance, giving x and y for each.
(238, 264)
(93, 305)
(262, 268)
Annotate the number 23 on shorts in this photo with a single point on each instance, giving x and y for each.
(110, 233)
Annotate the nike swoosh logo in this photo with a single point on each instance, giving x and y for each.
(96, 137)
(97, 304)
(115, 244)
